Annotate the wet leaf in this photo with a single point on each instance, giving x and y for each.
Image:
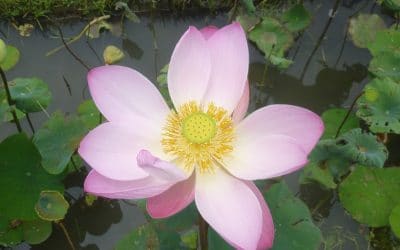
(380, 108)
(57, 140)
(3, 50)
(370, 194)
(314, 172)
(362, 23)
(143, 237)
(37, 231)
(89, 114)
(112, 54)
(363, 148)
(30, 94)
(22, 178)
(297, 18)
(333, 118)
(294, 227)
(51, 206)
(394, 220)
(11, 59)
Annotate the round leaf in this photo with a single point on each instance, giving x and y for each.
(394, 220)
(51, 206)
(22, 178)
(386, 64)
(296, 18)
(294, 227)
(11, 58)
(30, 94)
(57, 140)
(370, 194)
(381, 110)
(387, 40)
(3, 50)
(143, 237)
(333, 118)
(37, 231)
(358, 26)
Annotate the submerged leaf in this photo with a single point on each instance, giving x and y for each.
(370, 194)
(51, 206)
(364, 27)
(296, 18)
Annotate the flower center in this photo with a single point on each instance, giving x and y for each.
(198, 137)
(199, 127)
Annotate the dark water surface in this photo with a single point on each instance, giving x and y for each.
(336, 73)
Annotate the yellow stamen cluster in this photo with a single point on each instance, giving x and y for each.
(198, 136)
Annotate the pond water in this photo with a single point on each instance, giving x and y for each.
(335, 74)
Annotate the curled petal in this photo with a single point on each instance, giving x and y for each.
(173, 200)
(299, 123)
(122, 93)
(230, 207)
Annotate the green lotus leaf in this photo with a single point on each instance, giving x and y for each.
(57, 140)
(363, 148)
(294, 227)
(89, 114)
(385, 41)
(30, 94)
(11, 58)
(386, 64)
(51, 206)
(379, 107)
(10, 232)
(314, 172)
(297, 18)
(333, 118)
(143, 237)
(370, 194)
(22, 178)
(36, 231)
(394, 220)
(362, 22)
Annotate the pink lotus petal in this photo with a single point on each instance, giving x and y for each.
(100, 185)
(268, 231)
(111, 148)
(189, 68)
(208, 31)
(299, 123)
(230, 63)
(241, 109)
(265, 157)
(230, 207)
(121, 93)
(160, 169)
(172, 201)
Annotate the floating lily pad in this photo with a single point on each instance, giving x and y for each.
(370, 194)
(144, 237)
(363, 148)
(10, 232)
(394, 220)
(380, 106)
(3, 50)
(333, 118)
(11, 59)
(57, 140)
(112, 54)
(30, 94)
(294, 227)
(37, 231)
(22, 178)
(362, 23)
(315, 172)
(51, 206)
(386, 41)
(89, 114)
(296, 18)
(386, 64)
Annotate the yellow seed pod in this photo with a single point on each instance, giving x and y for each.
(3, 50)
(371, 94)
(112, 54)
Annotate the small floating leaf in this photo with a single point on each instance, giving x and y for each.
(30, 94)
(381, 113)
(370, 194)
(57, 140)
(294, 227)
(333, 118)
(394, 220)
(11, 59)
(296, 18)
(143, 237)
(112, 54)
(36, 231)
(362, 23)
(22, 178)
(51, 206)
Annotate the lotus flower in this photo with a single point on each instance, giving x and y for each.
(202, 150)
